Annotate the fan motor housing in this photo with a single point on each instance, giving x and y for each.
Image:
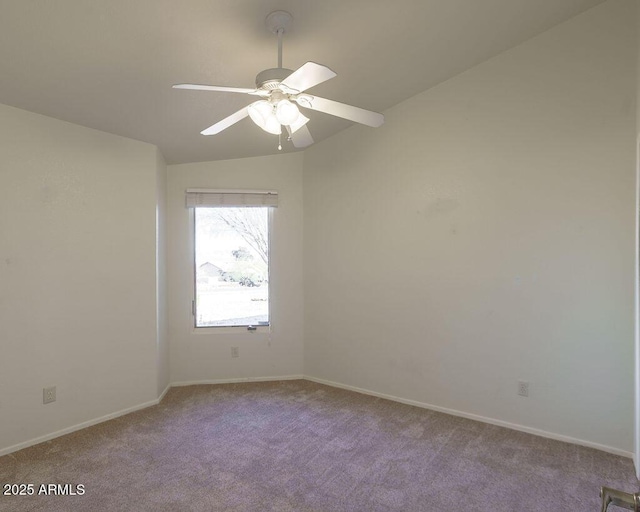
(269, 79)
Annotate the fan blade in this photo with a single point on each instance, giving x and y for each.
(219, 88)
(335, 108)
(298, 123)
(226, 122)
(305, 77)
(301, 138)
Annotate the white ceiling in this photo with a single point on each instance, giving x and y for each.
(110, 64)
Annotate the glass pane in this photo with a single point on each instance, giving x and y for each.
(232, 266)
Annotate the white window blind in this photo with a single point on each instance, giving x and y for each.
(232, 198)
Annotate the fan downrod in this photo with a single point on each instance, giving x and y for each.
(277, 22)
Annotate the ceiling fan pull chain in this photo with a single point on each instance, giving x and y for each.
(279, 142)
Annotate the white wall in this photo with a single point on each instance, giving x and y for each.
(205, 355)
(77, 275)
(162, 329)
(485, 234)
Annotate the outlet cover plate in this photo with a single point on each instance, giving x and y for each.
(523, 388)
(48, 395)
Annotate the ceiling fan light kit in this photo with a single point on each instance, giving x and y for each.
(282, 92)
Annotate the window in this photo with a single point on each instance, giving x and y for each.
(231, 257)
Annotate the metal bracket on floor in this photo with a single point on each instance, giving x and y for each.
(619, 499)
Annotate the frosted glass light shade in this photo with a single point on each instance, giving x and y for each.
(286, 112)
(261, 113)
(258, 111)
(272, 125)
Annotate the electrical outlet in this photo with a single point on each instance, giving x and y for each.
(523, 388)
(235, 352)
(48, 395)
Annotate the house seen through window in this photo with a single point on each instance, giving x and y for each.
(231, 266)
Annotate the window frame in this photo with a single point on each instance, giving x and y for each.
(227, 329)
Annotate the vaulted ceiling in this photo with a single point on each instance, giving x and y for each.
(110, 64)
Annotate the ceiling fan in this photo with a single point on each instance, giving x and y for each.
(282, 91)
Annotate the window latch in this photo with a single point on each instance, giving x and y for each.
(251, 328)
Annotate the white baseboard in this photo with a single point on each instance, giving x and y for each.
(89, 423)
(453, 412)
(95, 421)
(79, 426)
(161, 397)
(237, 380)
(483, 419)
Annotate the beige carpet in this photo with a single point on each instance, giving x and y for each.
(301, 446)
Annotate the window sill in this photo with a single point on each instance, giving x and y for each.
(262, 329)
